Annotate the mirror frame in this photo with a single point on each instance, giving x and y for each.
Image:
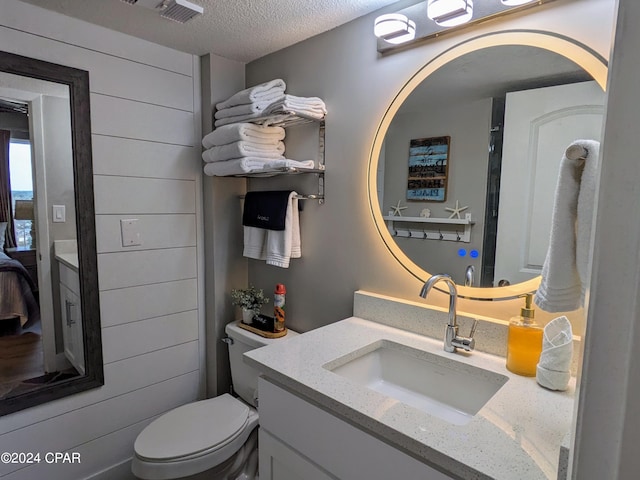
(78, 83)
(585, 57)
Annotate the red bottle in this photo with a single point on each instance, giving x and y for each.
(278, 307)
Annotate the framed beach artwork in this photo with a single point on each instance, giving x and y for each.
(428, 169)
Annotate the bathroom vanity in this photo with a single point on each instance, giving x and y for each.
(349, 401)
(66, 254)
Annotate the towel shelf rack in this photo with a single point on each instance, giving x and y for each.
(272, 172)
(298, 197)
(285, 119)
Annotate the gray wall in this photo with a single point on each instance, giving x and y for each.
(468, 126)
(608, 417)
(341, 248)
(225, 268)
(59, 165)
(56, 131)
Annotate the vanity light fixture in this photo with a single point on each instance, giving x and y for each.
(450, 13)
(434, 18)
(394, 28)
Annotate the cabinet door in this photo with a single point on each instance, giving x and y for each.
(279, 462)
(333, 447)
(72, 328)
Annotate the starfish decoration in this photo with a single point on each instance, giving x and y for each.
(456, 211)
(397, 209)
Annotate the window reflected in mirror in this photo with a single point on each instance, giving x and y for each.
(21, 178)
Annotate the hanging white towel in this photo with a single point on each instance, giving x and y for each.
(284, 245)
(264, 92)
(246, 132)
(240, 166)
(277, 247)
(241, 149)
(566, 266)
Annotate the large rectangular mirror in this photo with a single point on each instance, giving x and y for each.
(50, 341)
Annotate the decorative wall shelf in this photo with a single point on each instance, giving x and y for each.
(429, 229)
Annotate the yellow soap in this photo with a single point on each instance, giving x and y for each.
(524, 343)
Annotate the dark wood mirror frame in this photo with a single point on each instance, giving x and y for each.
(78, 83)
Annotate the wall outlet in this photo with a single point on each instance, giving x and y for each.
(130, 232)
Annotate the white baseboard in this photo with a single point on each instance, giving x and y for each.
(120, 471)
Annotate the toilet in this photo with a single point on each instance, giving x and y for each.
(211, 439)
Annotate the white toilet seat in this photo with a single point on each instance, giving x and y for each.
(193, 438)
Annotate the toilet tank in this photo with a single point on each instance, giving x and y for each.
(244, 377)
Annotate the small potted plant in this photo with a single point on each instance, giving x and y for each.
(250, 299)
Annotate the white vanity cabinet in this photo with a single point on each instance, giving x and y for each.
(71, 315)
(300, 441)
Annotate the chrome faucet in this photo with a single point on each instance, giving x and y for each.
(451, 339)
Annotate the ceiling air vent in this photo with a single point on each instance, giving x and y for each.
(130, 2)
(180, 10)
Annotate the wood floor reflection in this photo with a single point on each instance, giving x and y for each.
(21, 358)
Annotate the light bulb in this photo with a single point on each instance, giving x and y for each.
(394, 28)
(449, 13)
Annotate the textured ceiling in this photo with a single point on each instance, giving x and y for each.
(241, 30)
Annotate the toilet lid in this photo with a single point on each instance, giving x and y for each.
(192, 428)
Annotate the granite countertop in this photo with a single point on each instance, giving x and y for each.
(517, 434)
(66, 251)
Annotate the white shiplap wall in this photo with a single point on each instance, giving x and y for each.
(145, 119)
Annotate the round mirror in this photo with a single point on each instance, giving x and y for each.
(464, 165)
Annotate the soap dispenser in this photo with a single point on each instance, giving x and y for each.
(524, 342)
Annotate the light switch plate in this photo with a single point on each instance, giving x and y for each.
(59, 214)
(130, 232)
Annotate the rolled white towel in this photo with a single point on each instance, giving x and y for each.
(554, 366)
(243, 149)
(267, 91)
(241, 166)
(244, 132)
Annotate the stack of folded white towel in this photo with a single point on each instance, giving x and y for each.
(310, 106)
(249, 103)
(240, 148)
(266, 99)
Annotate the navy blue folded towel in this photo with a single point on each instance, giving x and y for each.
(266, 210)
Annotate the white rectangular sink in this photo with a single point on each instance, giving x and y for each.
(451, 390)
